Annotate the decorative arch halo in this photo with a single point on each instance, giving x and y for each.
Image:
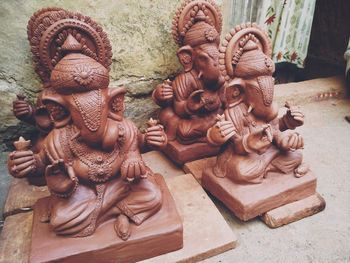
(231, 45)
(184, 17)
(49, 27)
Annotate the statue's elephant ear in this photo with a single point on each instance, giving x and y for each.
(185, 55)
(233, 92)
(116, 103)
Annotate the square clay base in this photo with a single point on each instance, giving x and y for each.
(252, 200)
(181, 153)
(162, 233)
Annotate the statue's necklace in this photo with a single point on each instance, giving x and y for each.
(99, 162)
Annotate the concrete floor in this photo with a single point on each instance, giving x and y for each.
(321, 238)
(324, 237)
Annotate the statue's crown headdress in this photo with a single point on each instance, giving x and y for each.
(245, 52)
(197, 22)
(54, 32)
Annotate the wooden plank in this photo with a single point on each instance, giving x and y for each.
(159, 163)
(294, 211)
(15, 238)
(22, 196)
(206, 232)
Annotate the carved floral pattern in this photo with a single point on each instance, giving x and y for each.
(210, 34)
(83, 74)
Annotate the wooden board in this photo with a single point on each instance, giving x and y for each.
(159, 163)
(206, 232)
(292, 212)
(22, 196)
(15, 238)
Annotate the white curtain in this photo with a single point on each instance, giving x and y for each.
(287, 22)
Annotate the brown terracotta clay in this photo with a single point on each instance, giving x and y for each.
(260, 166)
(91, 157)
(192, 100)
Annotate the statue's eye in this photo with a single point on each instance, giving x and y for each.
(203, 58)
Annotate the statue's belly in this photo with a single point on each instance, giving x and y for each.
(97, 172)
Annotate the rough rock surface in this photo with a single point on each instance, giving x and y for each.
(144, 53)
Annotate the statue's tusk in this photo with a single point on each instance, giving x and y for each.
(250, 108)
(200, 74)
(76, 135)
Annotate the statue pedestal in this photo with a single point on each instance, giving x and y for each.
(162, 233)
(251, 200)
(182, 153)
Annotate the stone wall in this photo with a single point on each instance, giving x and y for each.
(144, 52)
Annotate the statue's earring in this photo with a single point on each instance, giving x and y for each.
(235, 92)
(233, 95)
(185, 55)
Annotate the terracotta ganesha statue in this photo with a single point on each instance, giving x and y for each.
(256, 143)
(261, 141)
(192, 100)
(91, 156)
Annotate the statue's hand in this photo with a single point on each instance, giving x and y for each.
(164, 91)
(290, 141)
(60, 178)
(21, 163)
(156, 136)
(294, 116)
(133, 168)
(56, 168)
(260, 140)
(22, 109)
(222, 131)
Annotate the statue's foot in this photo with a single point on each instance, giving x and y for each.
(301, 170)
(270, 169)
(122, 227)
